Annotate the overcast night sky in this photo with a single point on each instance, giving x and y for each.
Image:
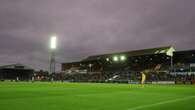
(88, 27)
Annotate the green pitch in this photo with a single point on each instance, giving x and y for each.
(84, 96)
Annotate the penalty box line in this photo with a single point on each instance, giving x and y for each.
(162, 103)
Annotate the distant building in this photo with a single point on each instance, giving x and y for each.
(16, 72)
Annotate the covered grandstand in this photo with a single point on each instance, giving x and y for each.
(16, 72)
(121, 64)
(160, 64)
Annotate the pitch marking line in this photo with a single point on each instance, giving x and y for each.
(161, 103)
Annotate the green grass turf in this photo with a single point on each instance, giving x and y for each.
(85, 96)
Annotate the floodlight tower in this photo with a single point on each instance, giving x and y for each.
(53, 44)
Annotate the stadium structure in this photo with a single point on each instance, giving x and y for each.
(159, 64)
(16, 72)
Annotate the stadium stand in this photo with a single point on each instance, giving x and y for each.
(103, 67)
(16, 72)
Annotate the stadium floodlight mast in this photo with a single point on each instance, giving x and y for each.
(53, 42)
(53, 46)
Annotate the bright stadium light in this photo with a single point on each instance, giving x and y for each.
(107, 59)
(122, 58)
(115, 58)
(53, 42)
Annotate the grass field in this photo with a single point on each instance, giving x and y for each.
(84, 96)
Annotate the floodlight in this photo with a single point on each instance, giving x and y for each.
(115, 58)
(122, 58)
(90, 65)
(107, 59)
(53, 42)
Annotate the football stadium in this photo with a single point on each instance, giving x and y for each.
(97, 55)
(148, 79)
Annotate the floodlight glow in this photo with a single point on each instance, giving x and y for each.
(53, 42)
(107, 59)
(115, 58)
(122, 58)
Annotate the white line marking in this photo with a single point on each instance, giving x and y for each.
(161, 103)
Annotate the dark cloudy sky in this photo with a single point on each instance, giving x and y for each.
(86, 27)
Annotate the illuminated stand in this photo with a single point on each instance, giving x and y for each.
(52, 55)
